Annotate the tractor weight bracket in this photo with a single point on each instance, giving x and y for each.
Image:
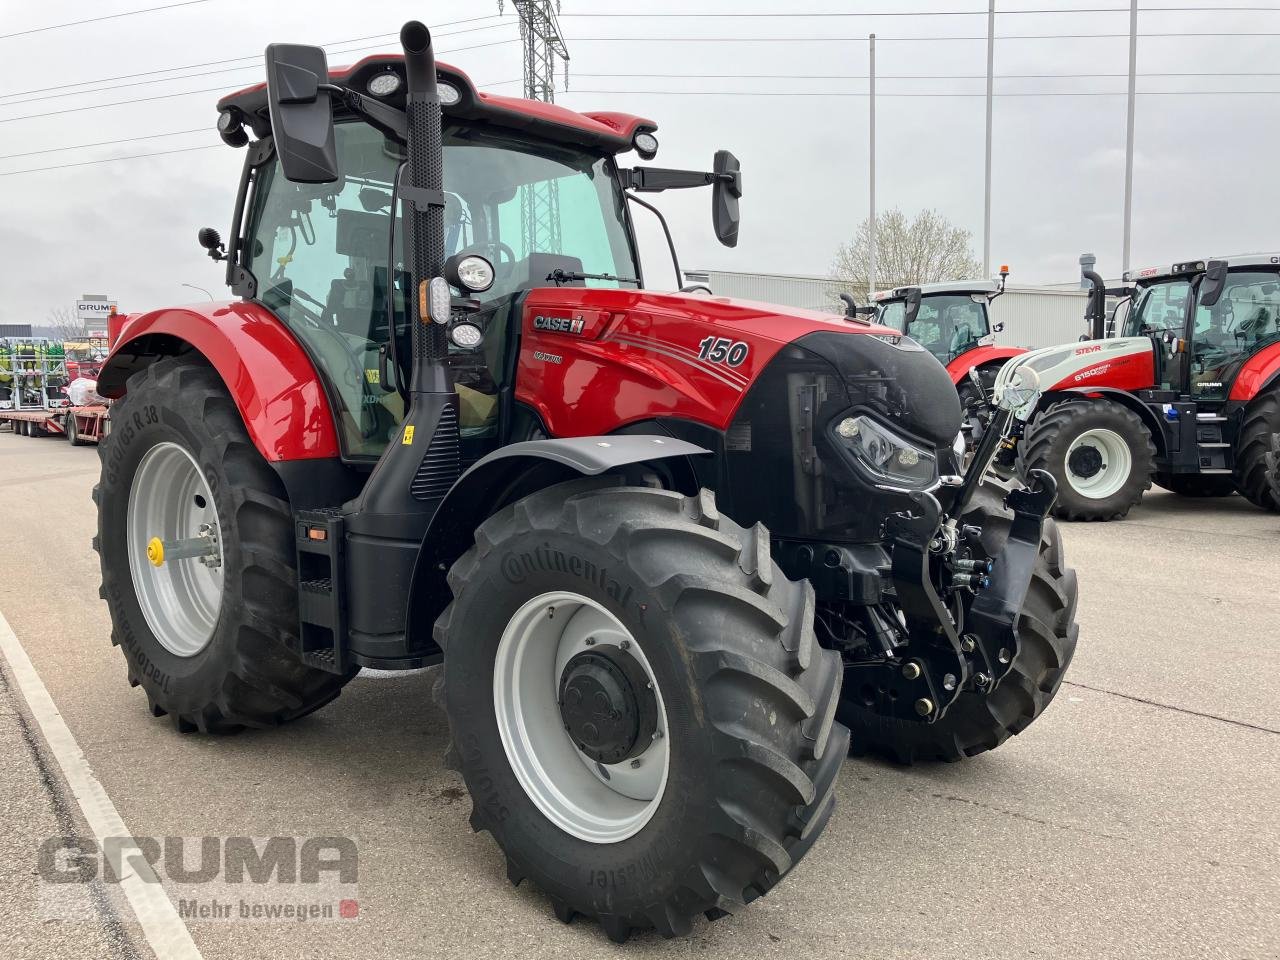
(939, 676)
(992, 624)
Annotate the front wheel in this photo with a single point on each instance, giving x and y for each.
(1099, 451)
(196, 545)
(642, 714)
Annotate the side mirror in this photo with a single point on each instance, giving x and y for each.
(724, 197)
(911, 306)
(301, 113)
(998, 327)
(1213, 283)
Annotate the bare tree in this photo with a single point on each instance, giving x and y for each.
(924, 250)
(61, 324)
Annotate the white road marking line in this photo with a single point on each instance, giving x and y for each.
(164, 930)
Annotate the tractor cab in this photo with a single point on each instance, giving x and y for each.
(951, 320)
(1208, 318)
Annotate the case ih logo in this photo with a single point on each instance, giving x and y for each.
(1083, 350)
(572, 325)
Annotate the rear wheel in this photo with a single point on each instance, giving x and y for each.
(1196, 485)
(977, 722)
(641, 711)
(196, 545)
(1099, 451)
(1261, 422)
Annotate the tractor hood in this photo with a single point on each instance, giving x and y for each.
(594, 360)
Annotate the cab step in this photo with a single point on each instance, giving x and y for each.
(322, 630)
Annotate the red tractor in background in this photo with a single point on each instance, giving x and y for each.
(952, 320)
(671, 551)
(1188, 395)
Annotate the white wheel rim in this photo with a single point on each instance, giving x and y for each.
(589, 800)
(1117, 464)
(170, 500)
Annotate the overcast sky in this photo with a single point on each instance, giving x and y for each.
(1206, 161)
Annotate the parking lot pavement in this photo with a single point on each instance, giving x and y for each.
(1139, 817)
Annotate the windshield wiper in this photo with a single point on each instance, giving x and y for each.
(560, 276)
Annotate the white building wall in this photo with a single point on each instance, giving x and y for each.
(1032, 316)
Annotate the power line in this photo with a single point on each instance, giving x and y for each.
(920, 76)
(256, 58)
(187, 93)
(132, 156)
(1033, 36)
(102, 143)
(839, 93)
(112, 16)
(933, 13)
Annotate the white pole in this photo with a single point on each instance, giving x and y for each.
(871, 143)
(1128, 147)
(986, 216)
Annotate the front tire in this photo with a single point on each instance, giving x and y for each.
(210, 645)
(1099, 451)
(1252, 477)
(978, 722)
(746, 701)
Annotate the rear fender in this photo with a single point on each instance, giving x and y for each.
(273, 382)
(504, 476)
(1257, 373)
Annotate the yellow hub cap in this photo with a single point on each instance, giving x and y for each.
(155, 552)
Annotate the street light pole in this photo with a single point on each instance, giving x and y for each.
(986, 216)
(1128, 147)
(871, 220)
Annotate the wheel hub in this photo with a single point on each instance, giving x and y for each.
(1085, 461)
(607, 704)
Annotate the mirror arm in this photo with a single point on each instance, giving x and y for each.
(390, 121)
(657, 179)
(671, 244)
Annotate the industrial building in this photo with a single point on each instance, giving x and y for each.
(1033, 316)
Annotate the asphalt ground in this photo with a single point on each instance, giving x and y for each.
(1139, 817)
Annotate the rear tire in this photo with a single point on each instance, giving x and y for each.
(1078, 442)
(1273, 467)
(1252, 477)
(1196, 485)
(246, 673)
(748, 694)
(978, 722)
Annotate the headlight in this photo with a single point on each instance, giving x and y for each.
(384, 84)
(887, 457)
(470, 272)
(448, 93)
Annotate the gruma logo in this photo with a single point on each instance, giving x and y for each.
(571, 325)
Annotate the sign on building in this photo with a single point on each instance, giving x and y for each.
(92, 310)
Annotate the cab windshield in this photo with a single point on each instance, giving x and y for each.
(1245, 319)
(320, 256)
(1160, 308)
(946, 325)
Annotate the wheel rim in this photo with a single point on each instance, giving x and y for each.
(170, 500)
(599, 803)
(1098, 463)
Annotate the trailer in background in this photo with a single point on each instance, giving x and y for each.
(80, 425)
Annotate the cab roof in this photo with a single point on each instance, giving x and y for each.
(603, 130)
(1147, 274)
(988, 287)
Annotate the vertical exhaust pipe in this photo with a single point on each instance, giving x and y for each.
(1096, 315)
(425, 194)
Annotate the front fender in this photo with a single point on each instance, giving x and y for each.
(1258, 372)
(503, 476)
(981, 356)
(270, 378)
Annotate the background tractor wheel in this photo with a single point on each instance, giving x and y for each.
(641, 711)
(1273, 467)
(1196, 485)
(73, 431)
(1099, 451)
(209, 643)
(978, 722)
(1261, 422)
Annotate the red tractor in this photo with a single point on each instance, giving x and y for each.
(670, 550)
(1188, 396)
(952, 320)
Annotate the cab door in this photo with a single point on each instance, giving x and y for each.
(1220, 338)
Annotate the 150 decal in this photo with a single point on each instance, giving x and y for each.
(723, 350)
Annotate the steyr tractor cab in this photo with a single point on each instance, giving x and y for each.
(952, 320)
(1187, 396)
(671, 550)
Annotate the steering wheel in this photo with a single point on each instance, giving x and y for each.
(502, 253)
